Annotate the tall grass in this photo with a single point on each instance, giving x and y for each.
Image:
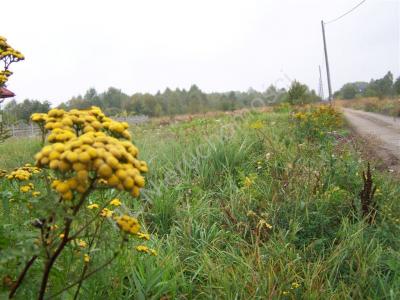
(208, 224)
(18, 151)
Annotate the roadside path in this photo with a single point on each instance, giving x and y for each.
(384, 129)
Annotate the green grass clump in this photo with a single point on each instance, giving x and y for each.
(242, 208)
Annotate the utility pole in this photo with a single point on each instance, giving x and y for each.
(327, 62)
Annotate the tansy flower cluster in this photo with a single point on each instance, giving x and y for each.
(25, 188)
(64, 125)
(82, 149)
(323, 115)
(8, 55)
(23, 173)
(128, 224)
(145, 249)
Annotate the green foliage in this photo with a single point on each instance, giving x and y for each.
(299, 93)
(380, 88)
(14, 111)
(4, 132)
(313, 123)
(292, 231)
(396, 86)
(173, 102)
(349, 91)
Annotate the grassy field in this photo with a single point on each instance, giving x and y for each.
(239, 207)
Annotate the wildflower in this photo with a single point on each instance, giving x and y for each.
(25, 188)
(248, 182)
(98, 149)
(295, 285)
(144, 236)
(285, 293)
(262, 223)
(36, 194)
(145, 249)
(142, 248)
(257, 124)
(86, 258)
(20, 175)
(115, 202)
(106, 213)
(82, 243)
(93, 206)
(128, 224)
(61, 236)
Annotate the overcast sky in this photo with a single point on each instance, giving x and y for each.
(220, 45)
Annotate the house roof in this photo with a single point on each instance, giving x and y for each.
(4, 93)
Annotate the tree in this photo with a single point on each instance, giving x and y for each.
(396, 87)
(14, 111)
(297, 93)
(349, 91)
(381, 87)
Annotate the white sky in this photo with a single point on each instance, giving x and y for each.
(220, 45)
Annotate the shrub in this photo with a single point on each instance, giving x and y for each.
(316, 122)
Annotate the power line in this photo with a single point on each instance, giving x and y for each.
(350, 11)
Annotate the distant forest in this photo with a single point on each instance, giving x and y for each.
(114, 102)
(385, 87)
(173, 102)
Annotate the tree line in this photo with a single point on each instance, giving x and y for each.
(114, 102)
(385, 87)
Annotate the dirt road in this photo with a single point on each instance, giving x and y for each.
(384, 130)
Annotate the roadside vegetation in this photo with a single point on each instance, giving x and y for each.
(389, 107)
(252, 206)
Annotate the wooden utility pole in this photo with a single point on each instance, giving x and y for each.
(327, 62)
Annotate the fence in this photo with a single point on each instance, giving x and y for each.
(32, 130)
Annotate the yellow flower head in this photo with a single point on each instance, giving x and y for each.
(145, 249)
(128, 224)
(144, 236)
(257, 124)
(25, 188)
(82, 243)
(85, 144)
(86, 258)
(93, 206)
(115, 202)
(295, 285)
(106, 213)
